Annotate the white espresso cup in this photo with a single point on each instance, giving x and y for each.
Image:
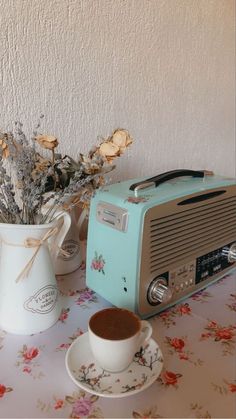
(115, 335)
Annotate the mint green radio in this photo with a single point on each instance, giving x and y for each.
(153, 242)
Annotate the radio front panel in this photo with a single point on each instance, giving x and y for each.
(186, 245)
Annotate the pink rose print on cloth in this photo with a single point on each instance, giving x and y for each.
(232, 387)
(82, 295)
(86, 296)
(59, 403)
(82, 407)
(225, 388)
(225, 335)
(177, 343)
(29, 353)
(232, 302)
(64, 315)
(199, 412)
(178, 346)
(28, 361)
(169, 379)
(168, 317)
(66, 345)
(4, 390)
(152, 412)
(201, 296)
(77, 405)
(98, 263)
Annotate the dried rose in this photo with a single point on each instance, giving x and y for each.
(122, 139)
(90, 166)
(5, 150)
(108, 148)
(47, 141)
(41, 165)
(115, 145)
(109, 151)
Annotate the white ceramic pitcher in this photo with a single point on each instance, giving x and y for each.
(29, 297)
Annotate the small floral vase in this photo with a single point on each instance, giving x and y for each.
(72, 251)
(70, 257)
(29, 296)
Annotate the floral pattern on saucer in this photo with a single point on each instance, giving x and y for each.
(142, 372)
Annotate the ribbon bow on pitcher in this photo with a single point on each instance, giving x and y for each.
(31, 242)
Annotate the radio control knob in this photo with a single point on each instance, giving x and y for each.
(159, 292)
(230, 253)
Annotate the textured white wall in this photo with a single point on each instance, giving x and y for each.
(163, 69)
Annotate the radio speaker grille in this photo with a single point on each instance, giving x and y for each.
(175, 236)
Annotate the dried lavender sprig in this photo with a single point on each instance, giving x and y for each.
(35, 196)
(67, 177)
(12, 206)
(23, 159)
(35, 130)
(9, 209)
(4, 215)
(19, 134)
(75, 186)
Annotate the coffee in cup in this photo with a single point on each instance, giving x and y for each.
(115, 335)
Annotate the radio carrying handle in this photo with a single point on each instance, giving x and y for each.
(164, 177)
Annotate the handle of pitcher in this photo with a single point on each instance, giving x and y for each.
(61, 216)
(81, 219)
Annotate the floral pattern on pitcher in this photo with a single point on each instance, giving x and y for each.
(98, 263)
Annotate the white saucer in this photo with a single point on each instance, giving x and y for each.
(88, 375)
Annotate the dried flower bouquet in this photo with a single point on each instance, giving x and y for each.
(33, 175)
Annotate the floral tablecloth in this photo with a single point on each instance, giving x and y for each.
(197, 338)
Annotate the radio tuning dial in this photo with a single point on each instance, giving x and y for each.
(159, 292)
(230, 253)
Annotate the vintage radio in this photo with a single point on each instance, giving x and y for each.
(153, 242)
